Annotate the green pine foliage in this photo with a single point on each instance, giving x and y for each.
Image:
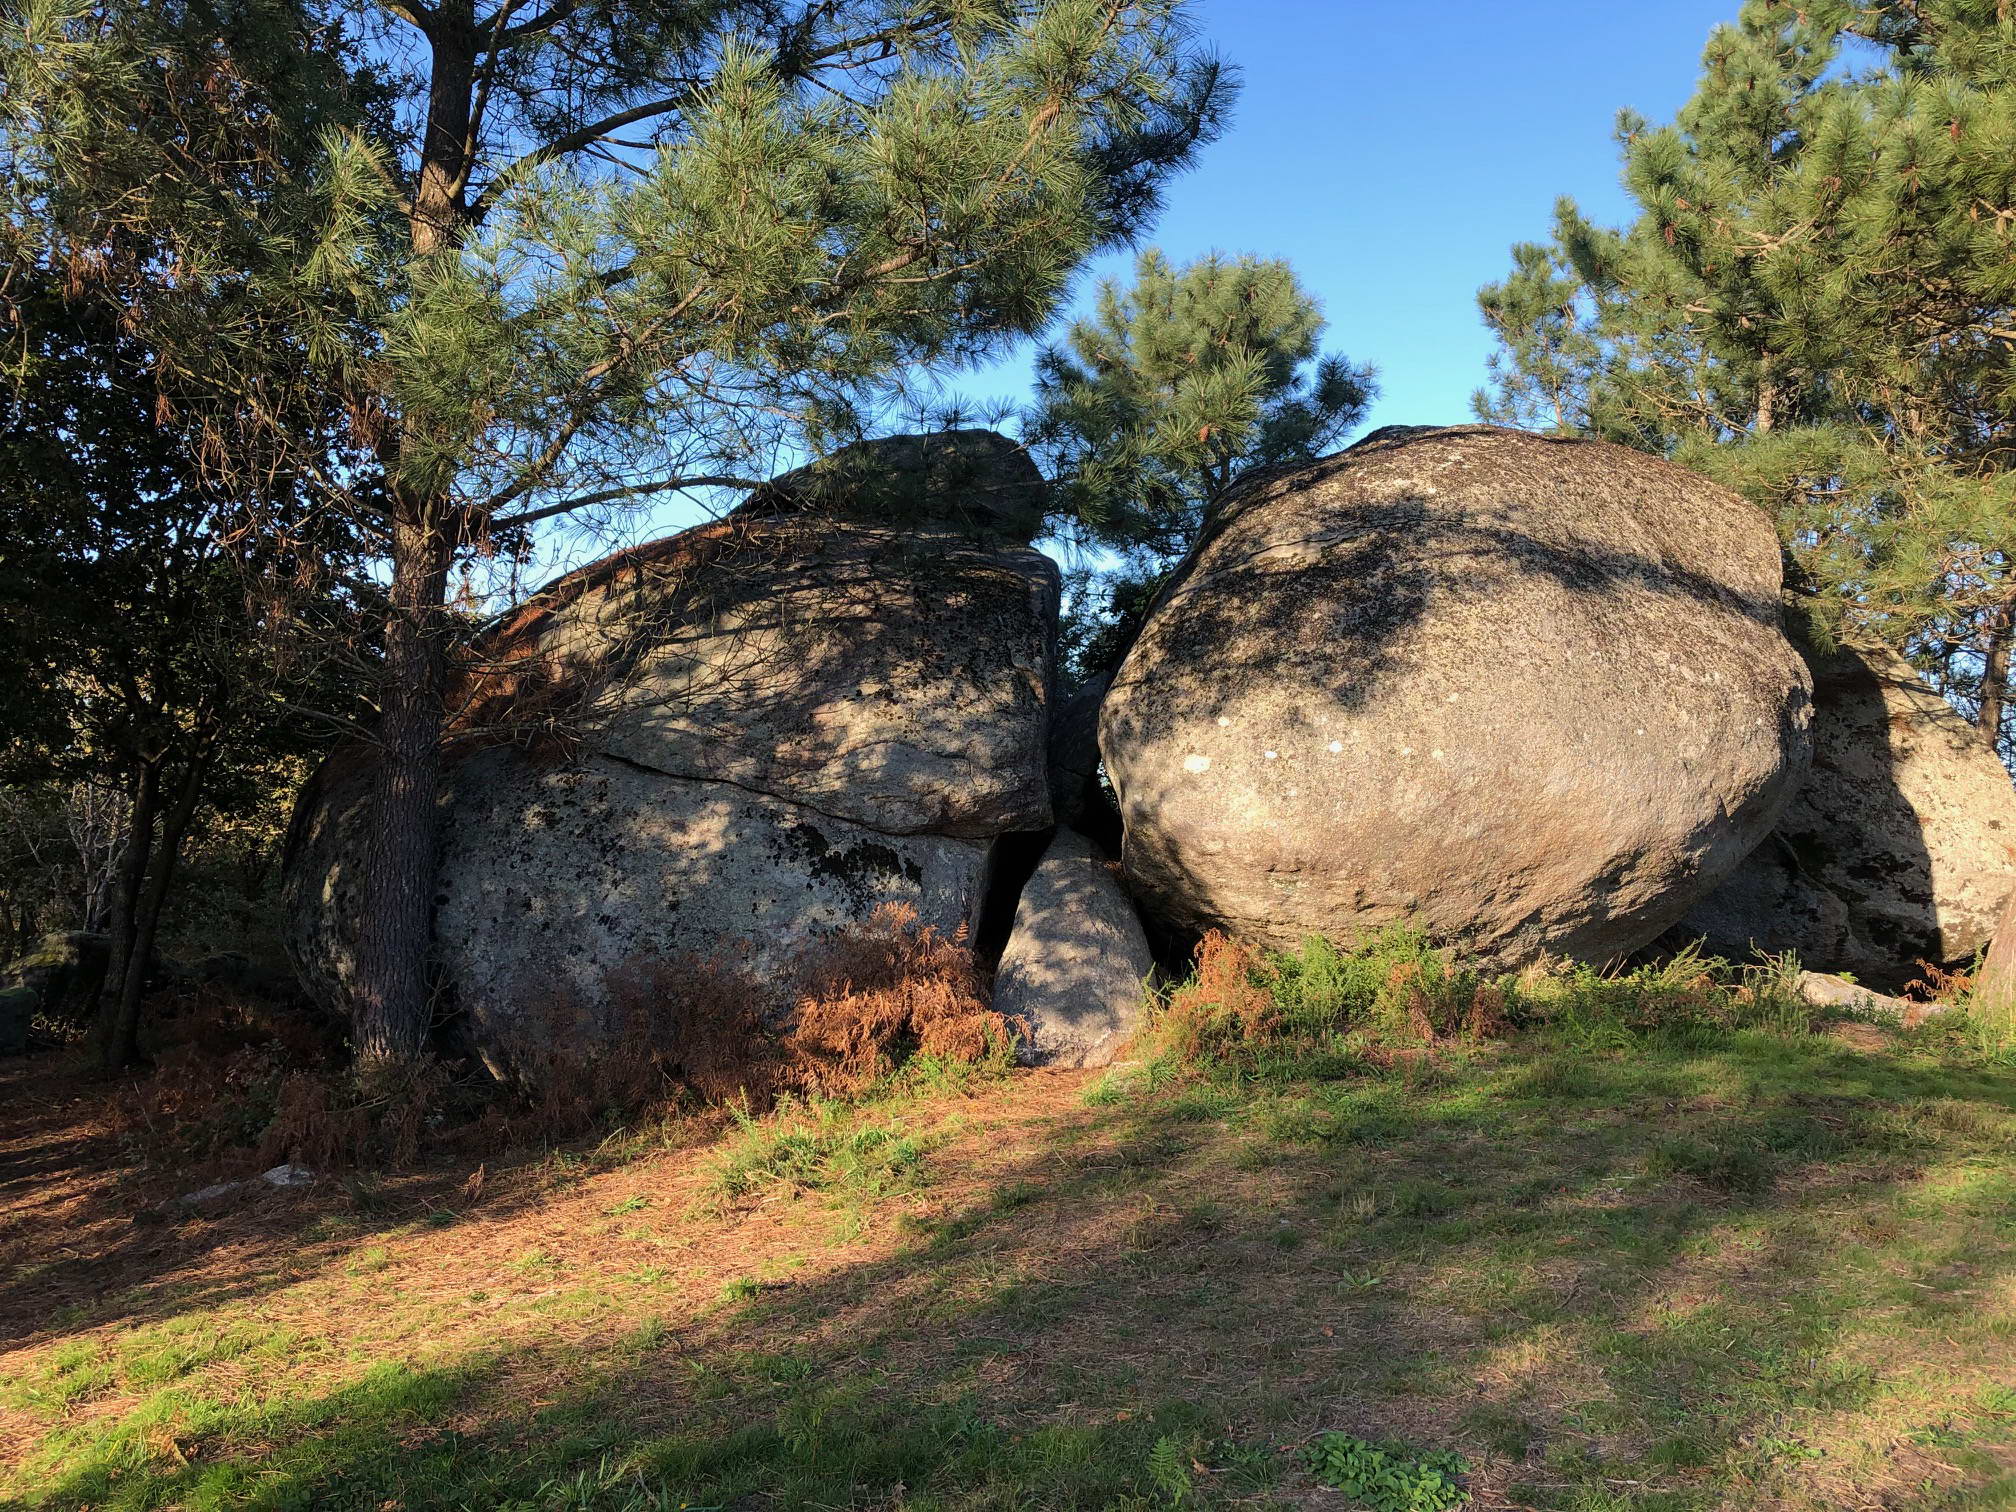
(1814, 304)
(1166, 394)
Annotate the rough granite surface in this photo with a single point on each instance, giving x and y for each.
(1531, 694)
(1076, 966)
(780, 722)
(1900, 846)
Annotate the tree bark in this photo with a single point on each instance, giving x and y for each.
(126, 899)
(122, 1041)
(395, 934)
(1995, 675)
(390, 1017)
(1994, 999)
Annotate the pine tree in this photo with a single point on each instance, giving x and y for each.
(1813, 304)
(1167, 393)
(551, 257)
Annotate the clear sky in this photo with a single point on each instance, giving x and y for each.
(1394, 152)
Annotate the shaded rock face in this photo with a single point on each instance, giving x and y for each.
(17, 1015)
(1074, 748)
(789, 721)
(1900, 846)
(1532, 694)
(61, 976)
(977, 481)
(1074, 972)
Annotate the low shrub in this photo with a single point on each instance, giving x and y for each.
(874, 997)
(1246, 1007)
(1387, 1476)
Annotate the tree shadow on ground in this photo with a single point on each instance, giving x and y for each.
(1706, 1276)
(92, 1237)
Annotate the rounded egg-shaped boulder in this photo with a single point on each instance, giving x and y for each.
(1530, 694)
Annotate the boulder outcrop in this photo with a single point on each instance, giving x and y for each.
(766, 728)
(1532, 694)
(1074, 974)
(1900, 846)
(61, 977)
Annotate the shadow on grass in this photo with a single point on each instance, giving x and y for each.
(1728, 1273)
(83, 1242)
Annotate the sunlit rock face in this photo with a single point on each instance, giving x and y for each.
(1531, 694)
(1899, 848)
(760, 731)
(1074, 975)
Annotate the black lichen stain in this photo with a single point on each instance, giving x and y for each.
(861, 869)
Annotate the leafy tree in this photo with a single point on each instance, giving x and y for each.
(142, 650)
(1165, 395)
(551, 256)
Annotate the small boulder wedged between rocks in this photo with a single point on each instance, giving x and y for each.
(1074, 974)
(1899, 847)
(1823, 990)
(1530, 694)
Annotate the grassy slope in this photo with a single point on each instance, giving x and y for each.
(1718, 1269)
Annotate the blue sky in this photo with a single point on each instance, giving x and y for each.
(1394, 152)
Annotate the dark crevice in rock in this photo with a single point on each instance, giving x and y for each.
(1011, 862)
(798, 803)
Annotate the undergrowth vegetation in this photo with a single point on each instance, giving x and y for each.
(242, 1083)
(1325, 1008)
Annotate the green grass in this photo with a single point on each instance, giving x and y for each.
(1665, 1246)
(823, 1146)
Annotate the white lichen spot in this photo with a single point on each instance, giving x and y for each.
(1437, 755)
(1336, 746)
(1272, 755)
(1406, 750)
(1196, 763)
(1641, 731)
(1453, 698)
(1223, 721)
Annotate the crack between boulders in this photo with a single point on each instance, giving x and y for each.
(796, 803)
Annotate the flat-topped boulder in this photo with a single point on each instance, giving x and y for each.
(720, 747)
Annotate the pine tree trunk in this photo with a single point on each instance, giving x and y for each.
(1767, 397)
(122, 1042)
(1995, 675)
(133, 860)
(390, 1016)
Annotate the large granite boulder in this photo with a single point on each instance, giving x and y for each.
(1074, 975)
(762, 730)
(62, 975)
(1532, 694)
(1899, 847)
(17, 1017)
